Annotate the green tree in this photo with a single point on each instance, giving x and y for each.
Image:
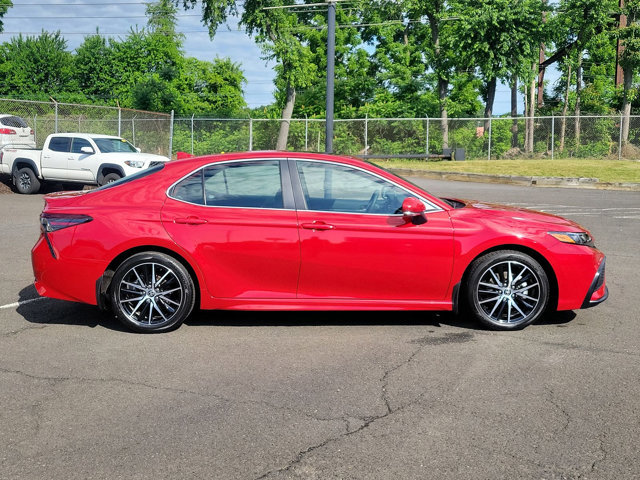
(36, 67)
(501, 38)
(93, 64)
(4, 7)
(282, 35)
(630, 60)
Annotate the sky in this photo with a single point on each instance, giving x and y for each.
(77, 18)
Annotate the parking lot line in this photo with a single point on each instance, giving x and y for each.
(17, 304)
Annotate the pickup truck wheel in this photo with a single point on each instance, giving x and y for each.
(26, 181)
(112, 177)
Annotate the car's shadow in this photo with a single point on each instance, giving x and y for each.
(50, 311)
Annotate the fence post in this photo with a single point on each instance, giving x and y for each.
(35, 128)
(119, 121)
(193, 115)
(553, 132)
(133, 129)
(620, 139)
(250, 134)
(489, 155)
(306, 133)
(171, 136)
(56, 116)
(427, 146)
(366, 133)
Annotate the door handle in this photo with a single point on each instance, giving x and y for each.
(190, 221)
(317, 226)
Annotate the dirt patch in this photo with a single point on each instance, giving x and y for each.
(5, 184)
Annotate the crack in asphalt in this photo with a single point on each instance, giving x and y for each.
(61, 379)
(552, 400)
(368, 421)
(13, 333)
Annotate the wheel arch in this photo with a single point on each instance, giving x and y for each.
(536, 255)
(104, 282)
(21, 162)
(107, 168)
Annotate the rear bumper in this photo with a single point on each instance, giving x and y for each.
(598, 291)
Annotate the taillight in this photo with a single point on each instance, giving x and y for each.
(32, 132)
(51, 222)
(7, 131)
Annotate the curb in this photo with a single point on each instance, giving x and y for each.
(558, 182)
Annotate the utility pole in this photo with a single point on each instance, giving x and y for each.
(331, 58)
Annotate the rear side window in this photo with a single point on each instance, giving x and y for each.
(250, 184)
(15, 122)
(60, 144)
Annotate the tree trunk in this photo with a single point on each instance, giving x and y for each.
(287, 112)
(443, 87)
(578, 90)
(565, 108)
(514, 112)
(626, 105)
(491, 96)
(532, 110)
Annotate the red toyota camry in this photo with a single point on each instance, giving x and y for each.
(299, 231)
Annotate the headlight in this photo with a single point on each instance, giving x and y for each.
(134, 163)
(577, 238)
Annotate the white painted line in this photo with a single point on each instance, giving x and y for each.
(24, 302)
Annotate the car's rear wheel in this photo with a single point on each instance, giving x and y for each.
(507, 290)
(152, 292)
(26, 181)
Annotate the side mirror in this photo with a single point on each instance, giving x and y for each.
(413, 209)
(88, 150)
(139, 150)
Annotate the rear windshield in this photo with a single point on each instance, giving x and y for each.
(132, 178)
(15, 122)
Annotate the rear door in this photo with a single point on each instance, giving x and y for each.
(55, 158)
(237, 220)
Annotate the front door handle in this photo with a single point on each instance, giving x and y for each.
(317, 226)
(190, 221)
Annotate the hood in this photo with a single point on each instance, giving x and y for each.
(519, 214)
(146, 157)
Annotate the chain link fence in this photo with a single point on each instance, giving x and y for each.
(149, 131)
(495, 138)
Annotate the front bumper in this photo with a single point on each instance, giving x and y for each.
(598, 291)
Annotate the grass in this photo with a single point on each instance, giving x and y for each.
(602, 169)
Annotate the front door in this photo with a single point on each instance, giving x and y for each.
(240, 226)
(355, 245)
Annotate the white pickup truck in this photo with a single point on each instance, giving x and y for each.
(79, 158)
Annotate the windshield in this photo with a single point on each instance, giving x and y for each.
(131, 178)
(110, 145)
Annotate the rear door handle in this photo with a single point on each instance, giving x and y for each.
(190, 221)
(317, 226)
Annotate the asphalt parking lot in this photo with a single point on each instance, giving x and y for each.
(326, 395)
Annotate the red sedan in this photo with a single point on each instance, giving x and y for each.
(300, 231)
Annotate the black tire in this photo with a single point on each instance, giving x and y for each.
(507, 290)
(26, 181)
(109, 178)
(144, 306)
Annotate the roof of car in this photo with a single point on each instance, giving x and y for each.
(84, 135)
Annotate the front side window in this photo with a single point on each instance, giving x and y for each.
(250, 184)
(60, 144)
(78, 143)
(340, 188)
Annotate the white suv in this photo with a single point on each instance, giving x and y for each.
(15, 132)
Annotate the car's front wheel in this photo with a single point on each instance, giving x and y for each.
(507, 290)
(152, 292)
